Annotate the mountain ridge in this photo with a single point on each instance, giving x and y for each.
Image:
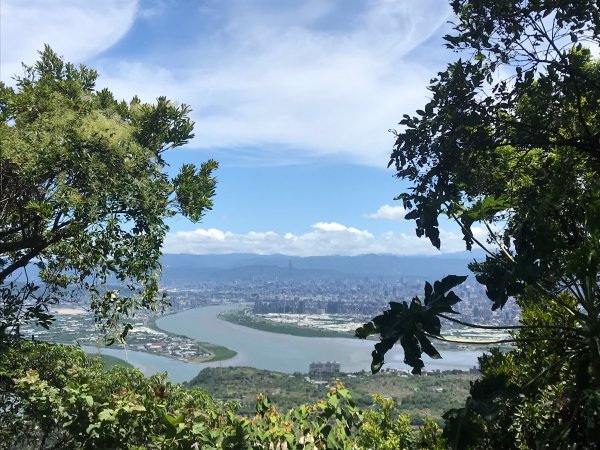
(247, 266)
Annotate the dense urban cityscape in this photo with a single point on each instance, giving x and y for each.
(360, 300)
(334, 306)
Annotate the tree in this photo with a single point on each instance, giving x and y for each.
(510, 141)
(84, 194)
(58, 397)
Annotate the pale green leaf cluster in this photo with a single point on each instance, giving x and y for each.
(55, 397)
(84, 192)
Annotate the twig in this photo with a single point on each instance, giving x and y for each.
(507, 327)
(499, 341)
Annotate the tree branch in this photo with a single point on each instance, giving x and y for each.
(507, 327)
(500, 341)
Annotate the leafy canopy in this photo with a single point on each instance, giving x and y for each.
(84, 193)
(55, 396)
(510, 141)
(84, 197)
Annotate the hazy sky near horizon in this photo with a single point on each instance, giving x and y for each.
(293, 98)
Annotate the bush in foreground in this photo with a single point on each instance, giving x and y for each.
(55, 396)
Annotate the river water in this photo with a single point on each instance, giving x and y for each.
(271, 351)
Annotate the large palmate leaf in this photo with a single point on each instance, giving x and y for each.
(412, 324)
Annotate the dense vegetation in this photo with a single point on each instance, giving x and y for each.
(85, 195)
(508, 147)
(109, 362)
(418, 397)
(54, 396)
(509, 143)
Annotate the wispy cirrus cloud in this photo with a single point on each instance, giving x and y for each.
(270, 82)
(76, 29)
(289, 82)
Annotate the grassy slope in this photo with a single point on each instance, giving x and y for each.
(240, 318)
(111, 361)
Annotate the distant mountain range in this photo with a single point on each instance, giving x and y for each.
(186, 268)
(178, 268)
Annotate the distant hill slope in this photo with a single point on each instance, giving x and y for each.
(247, 267)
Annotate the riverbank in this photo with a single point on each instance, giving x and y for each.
(78, 327)
(269, 351)
(217, 352)
(247, 319)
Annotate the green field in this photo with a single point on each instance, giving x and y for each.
(219, 352)
(419, 396)
(240, 317)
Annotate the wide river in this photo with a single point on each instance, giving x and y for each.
(270, 351)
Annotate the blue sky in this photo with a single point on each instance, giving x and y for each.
(293, 98)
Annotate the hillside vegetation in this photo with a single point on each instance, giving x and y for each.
(418, 397)
(506, 147)
(60, 398)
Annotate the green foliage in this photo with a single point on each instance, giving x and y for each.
(509, 142)
(56, 397)
(412, 324)
(241, 384)
(534, 396)
(85, 195)
(59, 398)
(381, 430)
(109, 361)
(384, 429)
(419, 397)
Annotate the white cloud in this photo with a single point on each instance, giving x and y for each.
(388, 212)
(278, 84)
(76, 29)
(269, 82)
(334, 226)
(324, 239)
